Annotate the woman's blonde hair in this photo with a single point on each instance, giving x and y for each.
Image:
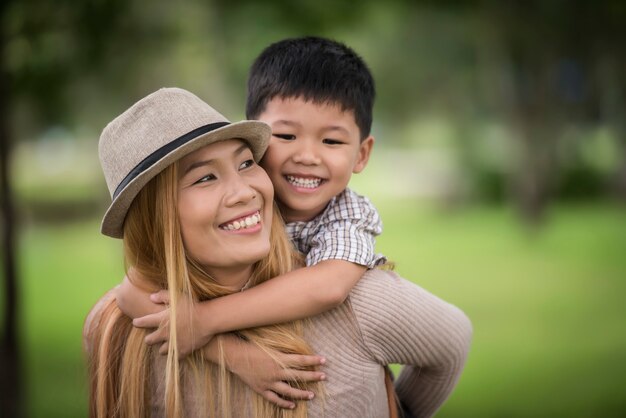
(120, 363)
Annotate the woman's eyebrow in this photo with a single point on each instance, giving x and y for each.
(203, 163)
(240, 149)
(198, 164)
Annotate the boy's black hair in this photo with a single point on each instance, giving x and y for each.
(314, 69)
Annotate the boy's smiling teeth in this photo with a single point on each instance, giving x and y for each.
(307, 183)
(242, 223)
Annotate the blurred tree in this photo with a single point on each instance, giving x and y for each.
(47, 49)
(10, 382)
(543, 68)
(552, 57)
(551, 71)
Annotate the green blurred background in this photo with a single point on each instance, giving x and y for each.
(499, 171)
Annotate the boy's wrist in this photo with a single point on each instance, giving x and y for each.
(233, 353)
(207, 322)
(231, 346)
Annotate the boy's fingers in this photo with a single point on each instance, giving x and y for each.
(149, 321)
(303, 375)
(161, 297)
(297, 360)
(164, 347)
(156, 337)
(286, 391)
(275, 399)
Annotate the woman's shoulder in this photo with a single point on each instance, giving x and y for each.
(376, 301)
(382, 299)
(383, 292)
(377, 280)
(386, 305)
(93, 317)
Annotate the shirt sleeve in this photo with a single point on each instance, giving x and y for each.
(348, 232)
(402, 323)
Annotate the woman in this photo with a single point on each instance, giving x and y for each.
(166, 201)
(179, 174)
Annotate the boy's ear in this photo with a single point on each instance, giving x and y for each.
(365, 149)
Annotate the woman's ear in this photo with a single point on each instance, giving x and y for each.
(365, 149)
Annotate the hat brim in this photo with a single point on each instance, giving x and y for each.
(255, 134)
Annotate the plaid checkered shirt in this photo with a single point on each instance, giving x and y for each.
(345, 230)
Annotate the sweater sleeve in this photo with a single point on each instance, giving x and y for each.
(402, 323)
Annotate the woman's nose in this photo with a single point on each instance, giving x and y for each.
(239, 191)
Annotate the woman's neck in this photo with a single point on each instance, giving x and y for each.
(234, 278)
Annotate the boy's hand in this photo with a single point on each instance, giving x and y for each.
(134, 301)
(189, 333)
(269, 379)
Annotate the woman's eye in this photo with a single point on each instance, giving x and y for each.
(287, 137)
(246, 164)
(329, 141)
(208, 177)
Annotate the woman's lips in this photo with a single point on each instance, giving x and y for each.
(244, 222)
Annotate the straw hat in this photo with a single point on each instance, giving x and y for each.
(156, 131)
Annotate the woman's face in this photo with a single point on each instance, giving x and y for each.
(225, 206)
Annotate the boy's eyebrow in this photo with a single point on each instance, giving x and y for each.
(285, 122)
(324, 129)
(203, 163)
(336, 128)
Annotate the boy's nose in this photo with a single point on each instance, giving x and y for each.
(307, 154)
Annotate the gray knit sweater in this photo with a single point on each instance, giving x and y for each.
(387, 319)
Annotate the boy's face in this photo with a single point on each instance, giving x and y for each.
(313, 152)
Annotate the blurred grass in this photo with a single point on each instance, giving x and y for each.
(546, 305)
(65, 269)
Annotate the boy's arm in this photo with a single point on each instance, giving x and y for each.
(295, 295)
(253, 366)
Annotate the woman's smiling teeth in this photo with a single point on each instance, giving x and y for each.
(247, 222)
(307, 183)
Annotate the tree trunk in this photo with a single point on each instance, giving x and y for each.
(10, 382)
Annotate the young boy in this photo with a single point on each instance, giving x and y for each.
(317, 95)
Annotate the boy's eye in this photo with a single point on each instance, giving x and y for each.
(329, 141)
(208, 177)
(246, 164)
(287, 137)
